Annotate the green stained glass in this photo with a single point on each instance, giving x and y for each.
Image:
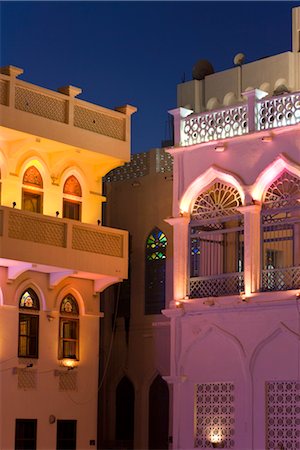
(156, 245)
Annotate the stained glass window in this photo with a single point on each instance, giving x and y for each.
(33, 177)
(69, 305)
(155, 271)
(29, 300)
(72, 186)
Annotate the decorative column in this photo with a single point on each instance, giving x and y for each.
(252, 96)
(128, 110)
(178, 114)
(180, 257)
(13, 72)
(72, 92)
(252, 247)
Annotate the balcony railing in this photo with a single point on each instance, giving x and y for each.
(217, 285)
(236, 120)
(39, 239)
(281, 279)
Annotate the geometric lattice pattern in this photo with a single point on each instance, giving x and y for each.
(38, 230)
(216, 285)
(68, 381)
(33, 177)
(283, 415)
(27, 378)
(283, 192)
(3, 93)
(137, 167)
(281, 279)
(97, 242)
(156, 245)
(40, 104)
(72, 186)
(223, 123)
(278, 111)
(164, 161)
(99, 123)
(218, 201)
(214, 411)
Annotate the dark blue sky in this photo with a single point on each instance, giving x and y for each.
(136, 52)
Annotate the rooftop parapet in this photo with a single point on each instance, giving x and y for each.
(74, 121)
(259, 113)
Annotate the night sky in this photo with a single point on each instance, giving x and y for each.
(136, 52)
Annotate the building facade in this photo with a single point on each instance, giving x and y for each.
(55, 258)
(135, 397)
(235, 313)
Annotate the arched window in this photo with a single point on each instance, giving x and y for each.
(281, 234)
(216, 243)
(28, 324)
(69, 329)
(72, 199)
(32, 194)
(155, 272)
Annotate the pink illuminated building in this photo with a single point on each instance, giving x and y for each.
(234, 316)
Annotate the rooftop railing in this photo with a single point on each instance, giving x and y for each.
(257, 114)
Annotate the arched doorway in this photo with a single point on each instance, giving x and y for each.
(125, 413)
(158, 414)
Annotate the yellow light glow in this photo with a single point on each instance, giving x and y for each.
(69, 363)
(215, 437)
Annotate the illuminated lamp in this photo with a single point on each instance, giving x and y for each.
(268, 138)
(70, 364)
(220, 148)
(216, 440)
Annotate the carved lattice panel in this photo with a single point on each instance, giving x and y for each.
(99, 123)
(33, 229)
(220, 124)
(27, 379)
(283, 415)
(278, 111)
(137, 167)
(284, 191)
(164, 161)
(214, 414)
(218, 201)
(4, 92)
(68, 381)
(281, 279)
(229, 284)
(40, 104)
(97, 242)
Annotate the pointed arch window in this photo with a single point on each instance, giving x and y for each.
(32, 193)
(155, 271)
(28, 324)
(69, 328)
(72, 199)
(281, 234)
(216, 243)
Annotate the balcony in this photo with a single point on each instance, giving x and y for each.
(60, 116)
(31, 241)
(217, 285)
(258, 114)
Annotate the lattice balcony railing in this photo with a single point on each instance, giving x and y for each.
(217, 285)
(236, 120)
(278, 111)
(220, 124)
(280, 279)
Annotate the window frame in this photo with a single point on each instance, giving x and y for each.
(29, 314)
(71, 318)
(20, 445)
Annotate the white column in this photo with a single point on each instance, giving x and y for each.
(252, 247)
(179, 114)
(252, 96)
(180, 256)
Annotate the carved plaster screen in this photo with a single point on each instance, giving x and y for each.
(216, 242)
(282, 415)
(214, 415)
(281, 234)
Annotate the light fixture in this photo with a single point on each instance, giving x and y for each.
(267, 138)
(70, 364)
(57, 213)
(178, 304)
(216, 439)
(298, 295)
(52, 419)
(14, 204)
(220, 148)
(50, 318)
(99, 222)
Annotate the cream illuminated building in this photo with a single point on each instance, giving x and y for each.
(55, 258)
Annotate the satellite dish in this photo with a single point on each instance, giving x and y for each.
(239, 59)
(201, 69)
